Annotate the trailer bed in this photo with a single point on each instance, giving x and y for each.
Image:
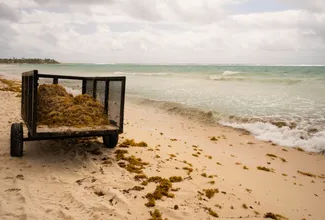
(68, 129)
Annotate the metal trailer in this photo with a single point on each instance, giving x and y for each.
(109, 91)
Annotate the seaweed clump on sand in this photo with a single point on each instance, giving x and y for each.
(211, 212)
(175, 179)
(306, 174)
(135, 165)
(56, 107)
(265, 169)
(155, 215)
(210, 192)
(10, 85)
(162, 189)
(274, 216)
(131, 143)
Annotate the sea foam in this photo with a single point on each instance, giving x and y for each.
(284, 136)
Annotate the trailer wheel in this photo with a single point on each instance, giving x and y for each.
(16, 140)
(111, 140)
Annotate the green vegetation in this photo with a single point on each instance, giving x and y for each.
(27, 61)
(244, 206)
(245, 167)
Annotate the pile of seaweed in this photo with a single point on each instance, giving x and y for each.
(56, 107)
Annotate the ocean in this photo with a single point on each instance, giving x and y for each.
(282, 104)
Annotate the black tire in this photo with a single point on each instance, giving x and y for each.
(111, 140)
(16, 140)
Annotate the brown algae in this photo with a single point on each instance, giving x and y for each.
(274, 216)
(135, 164)
(175, 179)
(188, 169)
(56, 107)
(265, 169)
(131, 143)
(155, 215)
(211, 212)
(210, 192)
(306, 174)
(10, 85)
(162, 189)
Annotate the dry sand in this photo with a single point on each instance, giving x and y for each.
(60, 179)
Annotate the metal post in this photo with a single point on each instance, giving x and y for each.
(94, 88)
(122, 105)
(106, 95)
(34, 89)
(84, 86)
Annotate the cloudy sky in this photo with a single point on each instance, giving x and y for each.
(165, 31)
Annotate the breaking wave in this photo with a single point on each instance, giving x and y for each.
(284, 136)
(142, 74)
(230, 73)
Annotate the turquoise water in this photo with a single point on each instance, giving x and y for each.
(255, 98)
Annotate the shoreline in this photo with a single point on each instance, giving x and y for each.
(238, 123)
(84, 180)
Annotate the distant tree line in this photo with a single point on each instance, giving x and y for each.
(28, 60)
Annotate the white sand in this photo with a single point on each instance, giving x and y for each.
(48, 189)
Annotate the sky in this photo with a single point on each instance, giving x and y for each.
(165, 31)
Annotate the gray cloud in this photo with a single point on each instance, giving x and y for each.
(142, 9)
(162, 31)
(311, 5)
(72, 2)
(49, 38)
(7, 13)
(6, 38)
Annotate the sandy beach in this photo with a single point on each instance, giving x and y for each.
(81, 179)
